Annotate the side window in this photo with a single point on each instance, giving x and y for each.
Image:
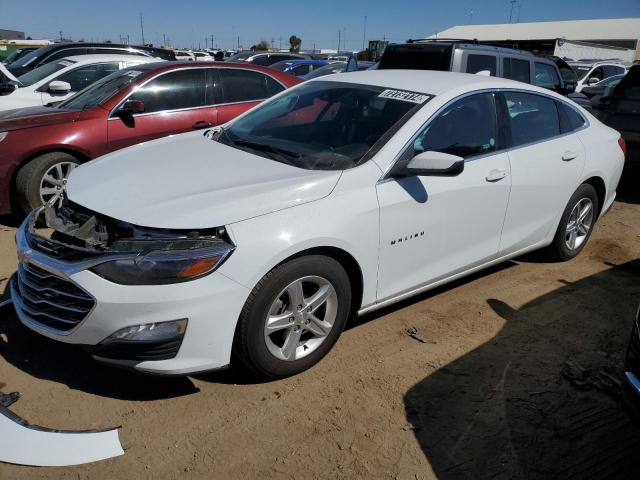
(82, 77)
(273, 87)
(546, 76)
(301, 70)
(597, 73)
(516, 69)
(243, 85)
(532, 117)
(65, 52)
(262, 60)
(570, 119)
(477, 63)
(611, 70)
(466, 128)
(173, 90)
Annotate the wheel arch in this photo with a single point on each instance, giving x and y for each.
(348, 262)
(80, 155)
(601, 190)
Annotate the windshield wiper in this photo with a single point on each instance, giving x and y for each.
(265, 148)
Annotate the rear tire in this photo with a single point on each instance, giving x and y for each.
(31, 183)
(281, 332)
(576, 224)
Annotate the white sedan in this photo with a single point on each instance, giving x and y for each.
(335, 198)
(57, 81)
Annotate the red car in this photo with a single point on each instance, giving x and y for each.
(39, 146)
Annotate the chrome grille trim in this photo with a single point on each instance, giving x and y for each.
(51, 301)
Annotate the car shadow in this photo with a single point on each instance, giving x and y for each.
(542, 398)
(46, 359)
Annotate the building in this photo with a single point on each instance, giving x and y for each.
(620, 35)
(11, 35)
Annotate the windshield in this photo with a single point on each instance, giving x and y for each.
(239, 57)
(37, 74)
(581, 70)
(100, 91)
(323, 125)
(326, 70)
(28, 58)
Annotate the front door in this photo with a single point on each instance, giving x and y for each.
(433, 227)
(174, 102)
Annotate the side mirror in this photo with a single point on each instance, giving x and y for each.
(593, 80)
(131, 107)
(59, 87)
(433, 164)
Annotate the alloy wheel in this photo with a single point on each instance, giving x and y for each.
(579, 224)
(300, 318)
(54, 182)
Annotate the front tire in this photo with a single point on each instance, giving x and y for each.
(576, 224)
(43, 180)
(293, 317)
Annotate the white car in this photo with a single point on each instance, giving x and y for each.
(184, 55)
(203, 57)
(58, 80)
(337, 197)
(590, 73)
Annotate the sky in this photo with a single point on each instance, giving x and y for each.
(320, 23)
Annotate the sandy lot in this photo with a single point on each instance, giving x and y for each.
(517, 379)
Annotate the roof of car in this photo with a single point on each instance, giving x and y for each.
(429, 82)
(110, 57)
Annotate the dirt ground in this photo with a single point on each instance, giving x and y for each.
(517, 379)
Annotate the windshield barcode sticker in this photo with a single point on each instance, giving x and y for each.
(133, 73)
(404, 96)
(66, 63)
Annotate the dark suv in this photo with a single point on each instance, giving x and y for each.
(57, 51)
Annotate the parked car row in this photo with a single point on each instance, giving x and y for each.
(39, 146)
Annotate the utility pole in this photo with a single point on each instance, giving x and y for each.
(519, 10)
(211, 41)
(364, 32)
(512, 2)
(128, 40)
(339, 33)
(344, 38)
(142, 28)
(280, 39)
(164, 40)
(60, 35)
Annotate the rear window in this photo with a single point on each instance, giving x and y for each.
(478, 63)
(417, 57)
(516, 69)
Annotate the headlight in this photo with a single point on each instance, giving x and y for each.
(160, 266)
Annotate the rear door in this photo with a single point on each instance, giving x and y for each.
(241, 89)
(175, 102)
(546, 163)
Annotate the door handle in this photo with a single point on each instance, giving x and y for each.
(201, 124)
(496, 175)
(569, 155)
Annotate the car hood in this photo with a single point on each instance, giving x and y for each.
(189, 181)
(38, 116)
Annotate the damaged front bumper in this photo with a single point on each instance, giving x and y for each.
(208, 305)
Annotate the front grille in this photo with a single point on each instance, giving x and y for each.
(51, 300)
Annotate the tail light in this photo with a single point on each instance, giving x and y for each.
(623, 146)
